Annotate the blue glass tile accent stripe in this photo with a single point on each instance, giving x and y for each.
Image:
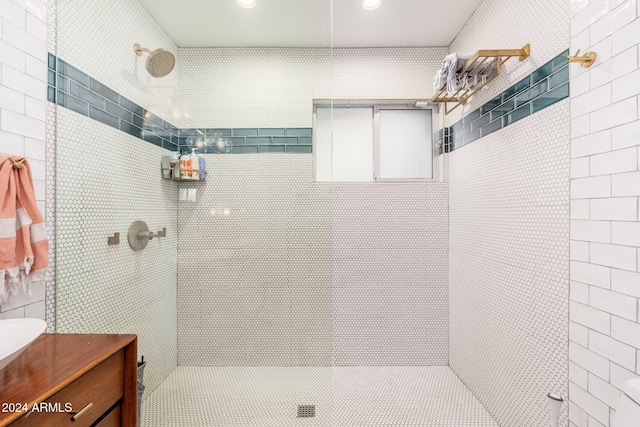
(543, 87)
(51, 61)
(502, 109)
(483, 120)
(76, 90)
(298, 149)
(517, 88)
(244, 132)
(244, 149)
(559, 77)
(491, 127)
(298, 131)
(550, 97)
(518, 113)
(285, 140)
(258, 140)
(271, 148)
(271, 132)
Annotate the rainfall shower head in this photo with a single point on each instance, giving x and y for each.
(159, 63)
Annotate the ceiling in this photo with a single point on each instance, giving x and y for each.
(308, 23)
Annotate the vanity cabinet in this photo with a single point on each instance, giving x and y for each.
(78, 380)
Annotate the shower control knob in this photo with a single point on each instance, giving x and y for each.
(146, 235)
(139, 235)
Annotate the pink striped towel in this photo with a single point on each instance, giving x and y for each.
(24, 249)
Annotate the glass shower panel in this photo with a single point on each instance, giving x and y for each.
(244, 275)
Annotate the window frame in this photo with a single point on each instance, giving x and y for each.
(376, 107)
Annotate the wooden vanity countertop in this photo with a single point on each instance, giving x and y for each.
(53, 361)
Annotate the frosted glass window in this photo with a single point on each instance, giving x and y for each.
(343, 144)
(405, 144)
(372, 142)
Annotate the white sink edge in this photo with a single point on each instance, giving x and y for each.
(16, 335)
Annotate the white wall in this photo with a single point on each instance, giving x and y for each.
(604, 348)
(508, 229)
(23, 97)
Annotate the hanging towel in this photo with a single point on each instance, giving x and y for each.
(24, 249)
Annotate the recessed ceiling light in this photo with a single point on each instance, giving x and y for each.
(247, 3)
(369, 4)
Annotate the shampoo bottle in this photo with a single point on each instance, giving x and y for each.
(195, 165)
(203, 167)
(185, 166)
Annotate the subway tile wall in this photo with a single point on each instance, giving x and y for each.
(50, 190)
(604, 348)
(23, 116)
(509, 225)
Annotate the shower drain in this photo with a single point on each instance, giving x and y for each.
(306, 411)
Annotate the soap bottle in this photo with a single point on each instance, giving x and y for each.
(202, 164)
(195, 165)
(185, 166)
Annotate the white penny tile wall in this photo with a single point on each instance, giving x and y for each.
(604, 328)
(502, 24)
(275, 269)
(112, 289)
(105, 180)
(23, 98)
(508, 230)
(97, 37)
(297, 272)
(275, 87)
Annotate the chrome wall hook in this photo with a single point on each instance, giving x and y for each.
(586, 60)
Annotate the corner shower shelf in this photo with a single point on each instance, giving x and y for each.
(482, 61)
(184, 179)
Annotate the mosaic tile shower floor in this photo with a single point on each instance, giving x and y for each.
(344, 396)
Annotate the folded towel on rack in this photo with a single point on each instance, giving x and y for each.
(479, 74)
(24, 250)
(438, 81)
(450, 66)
